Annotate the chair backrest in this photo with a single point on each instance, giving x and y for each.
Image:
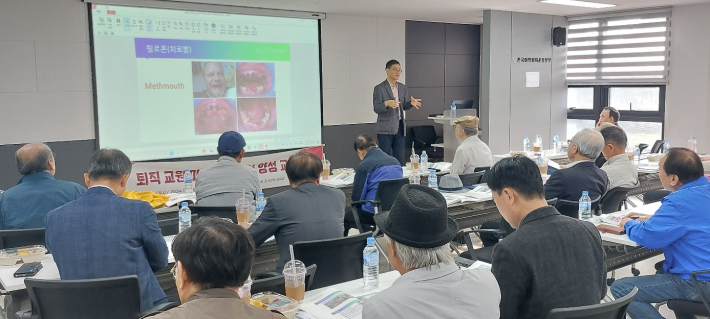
(169, 226)
(611, 310)
(218, 211)
(21, 237)
(387, 191)
(657, 146)
(486, 170)
(612, 200)
(571, 207)
(339, 259)
(107, 298)
(425, 133)
(471, 179)
(277, 283)
(463, 104)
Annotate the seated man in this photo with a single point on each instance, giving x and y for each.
(27, 204)
(620, 171)
(550, 261)
(375, 166)
(581, 174)
(104, 235)
(307, 211)
(222, 183)
(418, 231)
(208, 283)
(609, 117)
(681, 227)
(472, 152)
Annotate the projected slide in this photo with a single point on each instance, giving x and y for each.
(169, 82)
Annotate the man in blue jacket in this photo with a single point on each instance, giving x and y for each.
(104, 235)
(681, 227)
(375, 166)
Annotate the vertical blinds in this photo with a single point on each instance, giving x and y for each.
(623, 48)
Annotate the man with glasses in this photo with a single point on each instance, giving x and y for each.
(609, 117)
(390, 102)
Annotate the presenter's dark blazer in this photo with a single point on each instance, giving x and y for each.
(569, 183)
(387, 118)
(102, 235)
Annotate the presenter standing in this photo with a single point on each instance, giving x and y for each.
(390, 102)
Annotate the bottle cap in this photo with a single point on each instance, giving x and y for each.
(585, 193)
(370, 240)
(526, 136)
(184, 204)
(432, 171)
(260, 194)
(187, 169)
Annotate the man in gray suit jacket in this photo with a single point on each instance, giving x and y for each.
(308, 211)
(390, 102)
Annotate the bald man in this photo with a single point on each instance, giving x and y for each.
(38, 192)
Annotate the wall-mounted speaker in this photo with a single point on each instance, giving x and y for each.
(559, 36)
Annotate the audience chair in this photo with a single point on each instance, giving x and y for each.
(387, 191)
(424, 136)
(229, 212)
(486, 170)
(472, 178)
(275, 282)
(106, 298)
(571, 208)
(657, 147)
(170, 226)
(340, 259)
(613, 199)
(21, 237)
(688, 307)
(611, 310)
(485, 254)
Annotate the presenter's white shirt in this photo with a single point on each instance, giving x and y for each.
(470, 154)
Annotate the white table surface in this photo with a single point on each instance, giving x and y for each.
(335, 183)
(355, 287)
(649, 209)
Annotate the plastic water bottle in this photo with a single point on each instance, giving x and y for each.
(637, 153)
(189, 184)
(424, 161)
(260, 204)
(371, 265)
(453, 109)
(666, 146)
(585, 206)
(693, 144)
(526, 145)
(184, 217)
(556, 144)
(415, 179)
(432, 182)
(538, 142)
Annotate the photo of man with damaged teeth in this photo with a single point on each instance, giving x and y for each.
(255, 79)
(215, 116)
(213, 80)
(256, 114)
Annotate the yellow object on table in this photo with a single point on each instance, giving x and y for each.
(154, 199)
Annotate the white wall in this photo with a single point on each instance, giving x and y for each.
(687, 93)
(45, 72)
(355, 50)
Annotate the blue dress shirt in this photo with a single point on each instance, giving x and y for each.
(681, 227)
(26, 204)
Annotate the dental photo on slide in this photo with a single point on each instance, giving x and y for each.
(215, 116)
(213, 80)
(255, 79)
(256, 114)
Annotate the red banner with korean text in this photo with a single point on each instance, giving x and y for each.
(167, 177)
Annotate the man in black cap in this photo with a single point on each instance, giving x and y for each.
(222, 183)
(550, 261)
(418, 231)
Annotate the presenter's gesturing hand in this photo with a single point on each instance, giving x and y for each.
(417, 103)
(392, 104)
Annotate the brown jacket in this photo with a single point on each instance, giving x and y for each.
(217, 303)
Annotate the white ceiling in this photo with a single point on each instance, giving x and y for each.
(459, 11)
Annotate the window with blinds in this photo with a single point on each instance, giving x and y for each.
(621, 48)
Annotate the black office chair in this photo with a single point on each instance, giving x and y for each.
(611, 310)
(485, 254)
(657, 147)
(387, 191)
(688, 307)
(340, 259)
(107, 298)
(170, 226)
(423, 137)
(21, 237)
(486, 170)
(275, 282)
(472, 179)
(218, 211)
(571, 207)
(613, 199)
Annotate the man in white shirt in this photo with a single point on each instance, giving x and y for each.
(472, 152)
(418, 231)
(619, 169)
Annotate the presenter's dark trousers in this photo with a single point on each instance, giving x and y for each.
(393, 144)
